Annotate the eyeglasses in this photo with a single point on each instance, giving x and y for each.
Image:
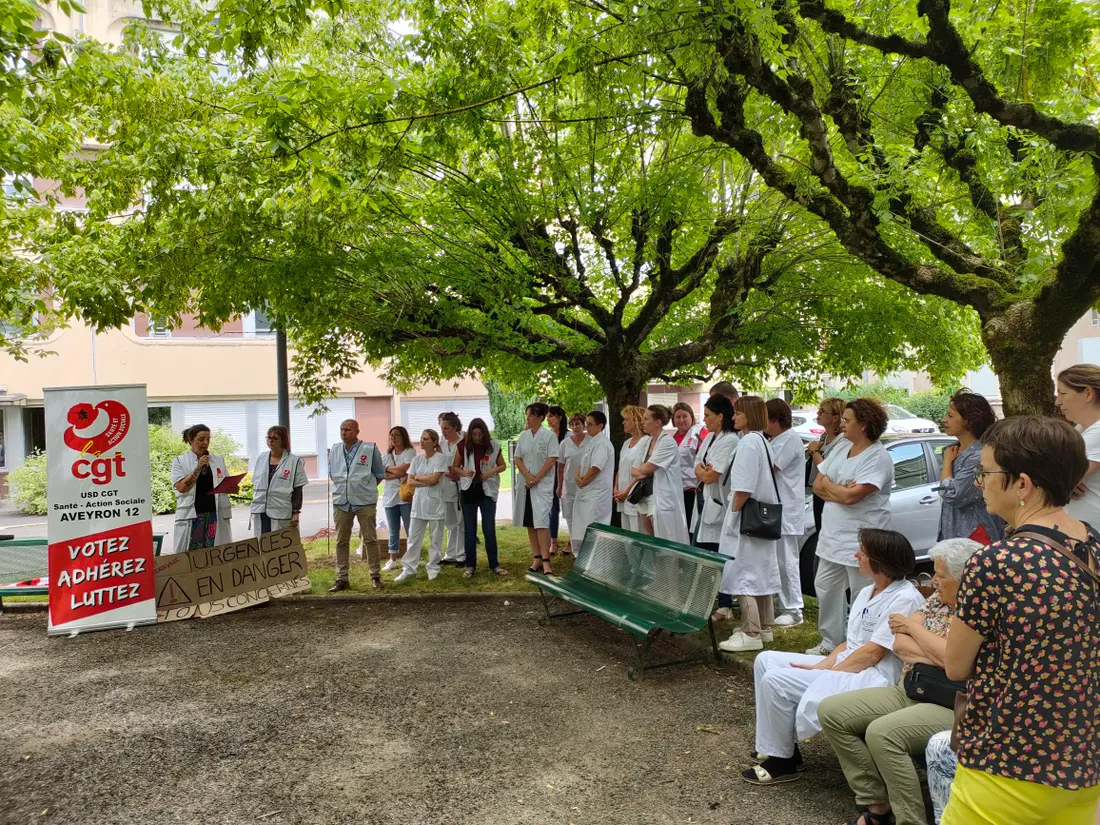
(979, 479)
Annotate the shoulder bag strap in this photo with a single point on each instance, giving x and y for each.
(771, 467)
(1061, 548)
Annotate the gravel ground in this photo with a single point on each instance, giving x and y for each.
(416, 712)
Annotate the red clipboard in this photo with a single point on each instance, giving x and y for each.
(231, 485)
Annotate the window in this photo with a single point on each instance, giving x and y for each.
(910, 467)
(158, 328)
(3, 454)
(263, 323)
(1095, 318)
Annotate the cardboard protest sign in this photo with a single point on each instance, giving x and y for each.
(216, 580)
(99, 528)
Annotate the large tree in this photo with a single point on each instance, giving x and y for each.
(572, 237)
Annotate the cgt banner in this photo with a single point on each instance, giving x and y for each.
(100, 532)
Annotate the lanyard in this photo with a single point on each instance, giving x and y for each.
(349, 460)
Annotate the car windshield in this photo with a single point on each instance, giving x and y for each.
(897, 413)
(797, 420)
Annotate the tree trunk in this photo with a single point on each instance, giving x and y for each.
(621, 389)
(1022, 351)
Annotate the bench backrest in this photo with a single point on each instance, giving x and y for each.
(23, 559)
(682, 580)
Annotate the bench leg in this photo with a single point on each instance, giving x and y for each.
(549, 615)
(1, 605)
(641, 648)
(714, 641)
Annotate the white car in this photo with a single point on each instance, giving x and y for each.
(903, 421)
(804, 422)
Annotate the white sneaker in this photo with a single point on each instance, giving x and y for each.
(739, 642)
(393, 564)
(433, 576)
(818, 650)
(765, 635)
(789, 619)
(405, 575)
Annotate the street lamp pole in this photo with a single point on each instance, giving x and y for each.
(282, 378)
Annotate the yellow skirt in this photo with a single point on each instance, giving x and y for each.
(979, 798)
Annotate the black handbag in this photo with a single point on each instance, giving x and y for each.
(928, 683)
(643, 488)
(760, 520)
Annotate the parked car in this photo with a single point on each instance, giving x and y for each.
(903, 421)
(804, 422)
(914, 502)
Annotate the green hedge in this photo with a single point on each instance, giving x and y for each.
(28, 483)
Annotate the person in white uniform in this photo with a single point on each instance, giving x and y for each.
(1078, 399)
(425, 476)
(278, 480)
(355, 469)
(752, 574)
(790, 686)
(594, 479)
(687, 444)
(712, 470)
(663, 512)
(789, 460)
(830, 415)
(536, 457)
(450, 428)
(632, 454)
(855, 482)
(202, 518)
(397, 460)
(568, 452)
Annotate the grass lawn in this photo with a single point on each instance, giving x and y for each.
(512, 548)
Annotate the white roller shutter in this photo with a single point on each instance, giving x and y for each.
(666, 399)
(303, 429)
(339, 410)
(417, 416)
(227, 416)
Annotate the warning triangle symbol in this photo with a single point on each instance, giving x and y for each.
(172, 594)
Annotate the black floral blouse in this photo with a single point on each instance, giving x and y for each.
(1034, 707)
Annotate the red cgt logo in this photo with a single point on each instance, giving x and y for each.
(85, 417)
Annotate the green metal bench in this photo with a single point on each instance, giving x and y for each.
(25, 559)
(644, 585)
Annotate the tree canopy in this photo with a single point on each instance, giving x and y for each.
(578, 197)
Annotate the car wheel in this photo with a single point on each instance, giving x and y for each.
(807, 565)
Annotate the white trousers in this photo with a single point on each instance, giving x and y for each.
(831, 582)
(417, 526)
(631, 523)
(787, 698)
(456, 531)
(790, 576)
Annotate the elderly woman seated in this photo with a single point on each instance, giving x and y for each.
(790, 686)
(876, 731)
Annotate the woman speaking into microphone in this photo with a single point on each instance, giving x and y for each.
(202, 518)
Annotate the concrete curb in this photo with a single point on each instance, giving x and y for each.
(360, 598)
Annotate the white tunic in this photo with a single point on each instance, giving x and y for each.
(391, 487)
(489, 486)
(717, 450)
(183, 466)
(275, 499)
(1087, 507)
(687, 449)
(868, 621)
(630, 457)
(841, 523)
(669, 520)
(789, 458)
(594, 503)
(450, 488)
(427, 503)
(755, 567)
(568, 453)
(534, 449)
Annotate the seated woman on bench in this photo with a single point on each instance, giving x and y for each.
(789, 686)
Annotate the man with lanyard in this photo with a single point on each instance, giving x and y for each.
(355, 468)
(450, 427)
